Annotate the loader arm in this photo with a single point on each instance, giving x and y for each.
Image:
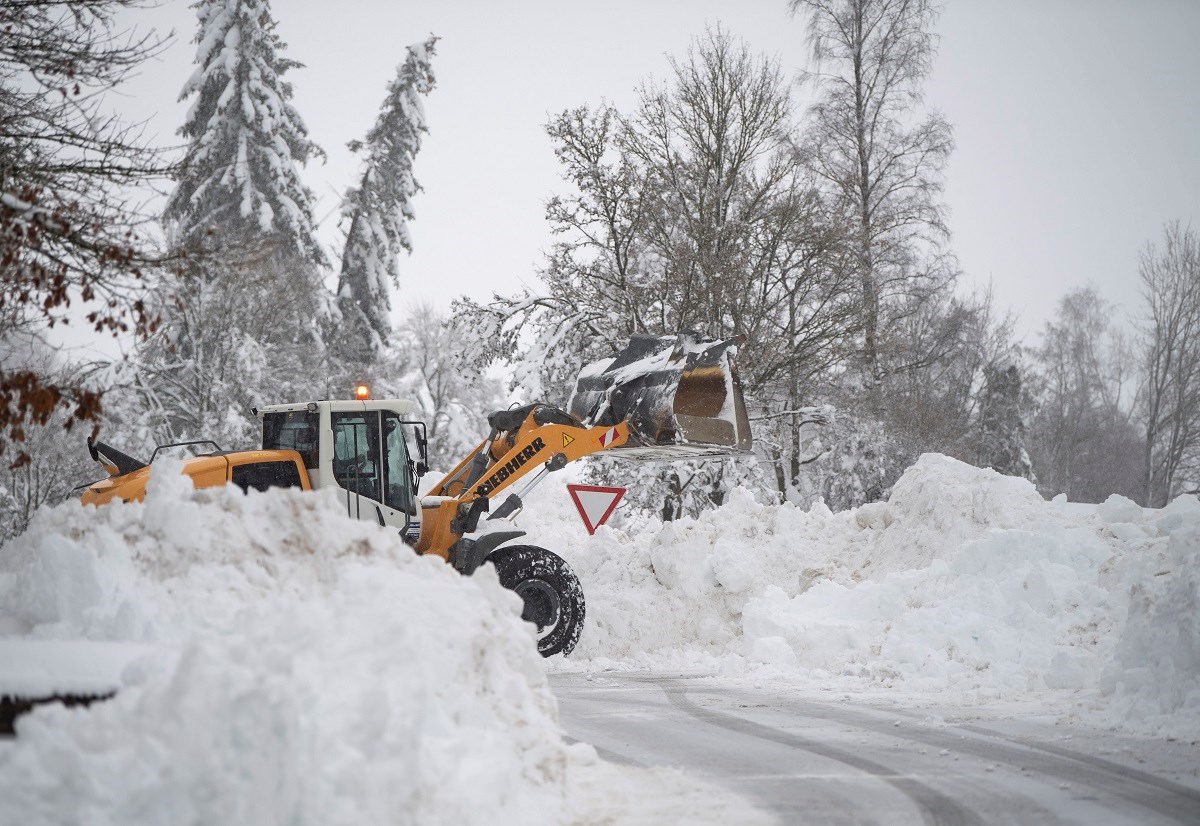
(535, 439)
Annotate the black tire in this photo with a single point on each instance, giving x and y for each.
(551, 593)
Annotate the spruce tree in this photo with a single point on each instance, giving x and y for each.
(1002, 422)
(245, 315)
(380, 207)
(240, 176)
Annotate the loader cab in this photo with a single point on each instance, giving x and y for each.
(360, 449)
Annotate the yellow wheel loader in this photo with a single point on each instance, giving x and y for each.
(659, 398)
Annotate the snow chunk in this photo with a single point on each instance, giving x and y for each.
(1117, 508)
(1154, 676)
(45, 668)
(940, 503)
(1180, 513)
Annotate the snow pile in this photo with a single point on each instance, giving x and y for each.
(305, 668)
(938, 506)
(1017, 610)
(964, 580)
(1155, 674)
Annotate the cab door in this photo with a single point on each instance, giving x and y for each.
(372, 469)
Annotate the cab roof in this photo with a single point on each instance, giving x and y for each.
(399, 406)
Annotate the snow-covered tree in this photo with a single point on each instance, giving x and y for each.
(877, 158)
(380, 207)
(850, 459)
(73, 238)
(58, 460)
(245, 139)
(1002, 422)
(233, 340)
(453, 402)
(245, 315)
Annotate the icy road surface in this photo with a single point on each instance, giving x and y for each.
(811, 758)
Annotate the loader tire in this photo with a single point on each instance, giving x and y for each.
(551, 593)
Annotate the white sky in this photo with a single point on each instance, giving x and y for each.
(1077, 122)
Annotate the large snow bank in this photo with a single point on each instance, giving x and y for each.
(964, 580)
(305, 668)
(1155, 673)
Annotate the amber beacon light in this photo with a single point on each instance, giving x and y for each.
(362, 392)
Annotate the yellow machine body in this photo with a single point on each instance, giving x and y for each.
(206, 472)
(490, 469)
(659, 398)
(507, 459)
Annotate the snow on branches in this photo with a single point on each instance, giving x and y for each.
(73, 239)
(380, 207)
(246, 139)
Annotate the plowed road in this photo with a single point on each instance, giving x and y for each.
(849, 761)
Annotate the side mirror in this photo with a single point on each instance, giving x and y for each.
(423, 446)
(421, 466)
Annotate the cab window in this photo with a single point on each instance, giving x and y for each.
(356, 445)
(397, 469)
(264, 475)
(292, 430)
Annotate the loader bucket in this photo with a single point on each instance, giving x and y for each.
(681, 396)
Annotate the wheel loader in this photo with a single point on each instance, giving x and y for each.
(659, 398)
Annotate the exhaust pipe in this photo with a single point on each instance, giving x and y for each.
(114, 462)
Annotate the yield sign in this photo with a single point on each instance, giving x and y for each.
(595, 504)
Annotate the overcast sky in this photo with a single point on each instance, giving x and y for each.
(1077, 122)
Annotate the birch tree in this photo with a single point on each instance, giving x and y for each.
(1170, 280)
(879, 158)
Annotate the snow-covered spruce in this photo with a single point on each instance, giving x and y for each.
(243, 316)
(1002, 429)
(245, 139)
(380, 207)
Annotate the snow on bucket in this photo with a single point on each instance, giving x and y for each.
(680, 394)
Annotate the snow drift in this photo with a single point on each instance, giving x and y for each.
(309, 668)
(963, 581)
(1154, 674)
(304, 668)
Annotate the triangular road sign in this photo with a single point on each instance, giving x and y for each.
(595, 503)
